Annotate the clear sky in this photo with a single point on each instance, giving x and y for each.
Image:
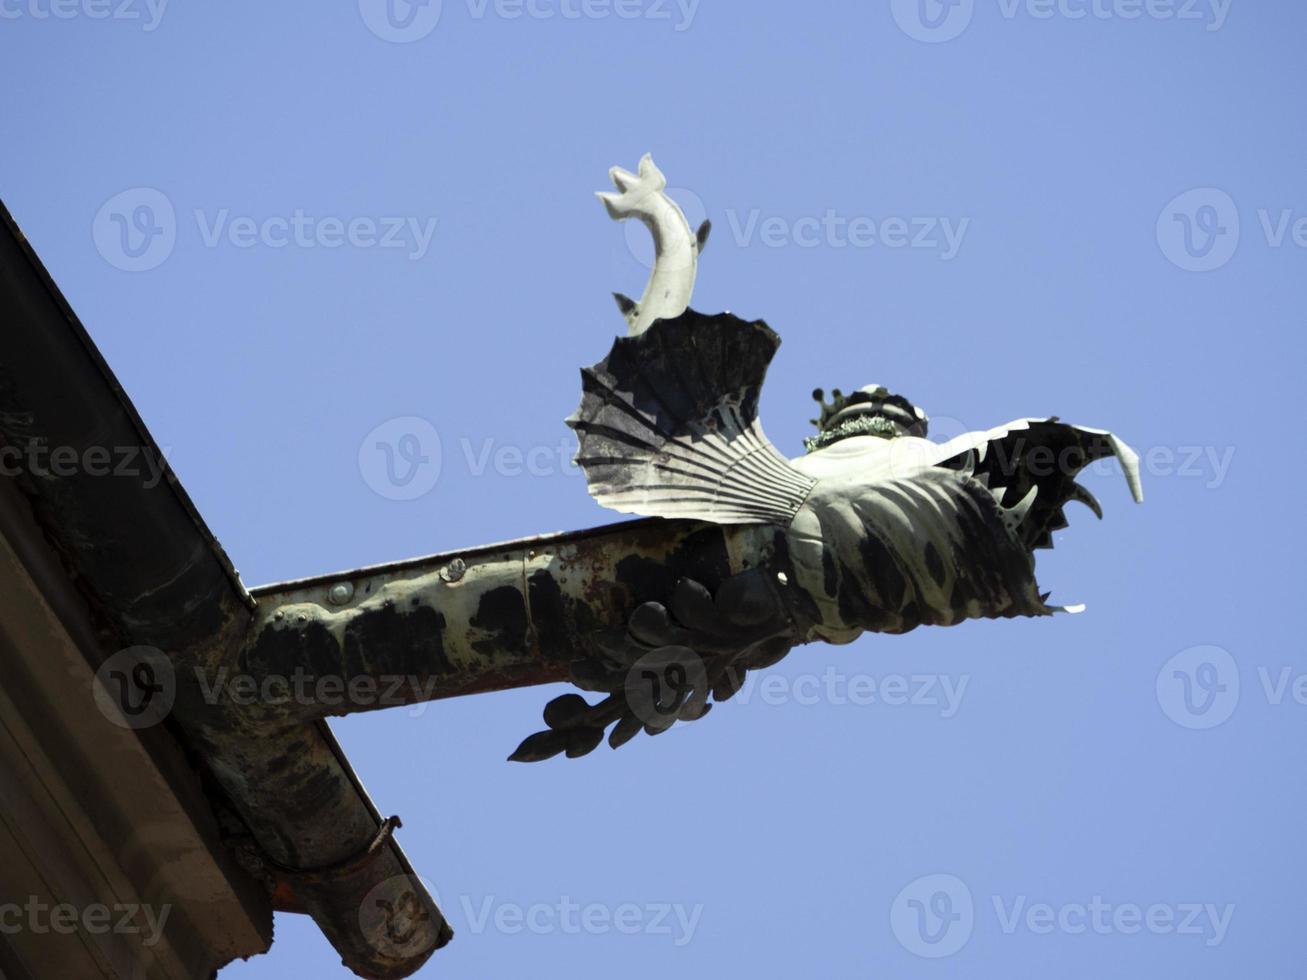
(983, 205)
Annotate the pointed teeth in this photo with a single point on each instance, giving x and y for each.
(625, 304)
(1017, 512)
(1026, 501)
(1130, 465)
(1043, 596)
(1088, 499)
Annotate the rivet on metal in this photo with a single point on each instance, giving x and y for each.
(341, 593)
(454, 571)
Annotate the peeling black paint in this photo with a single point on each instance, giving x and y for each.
(701, 555)
(553, 616)
(279, 651)
(408, 643)
(501, 616)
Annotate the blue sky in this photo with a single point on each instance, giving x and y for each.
(1089, 208)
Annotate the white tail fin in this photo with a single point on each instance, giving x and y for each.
(676, 248)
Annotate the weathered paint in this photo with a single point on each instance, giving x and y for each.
(518, 613)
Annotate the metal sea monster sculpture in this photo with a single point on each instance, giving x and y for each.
(875, 529)
(739, 555)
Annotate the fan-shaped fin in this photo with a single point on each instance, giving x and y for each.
(668, 425)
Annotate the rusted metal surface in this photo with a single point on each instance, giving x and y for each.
(516, 614)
